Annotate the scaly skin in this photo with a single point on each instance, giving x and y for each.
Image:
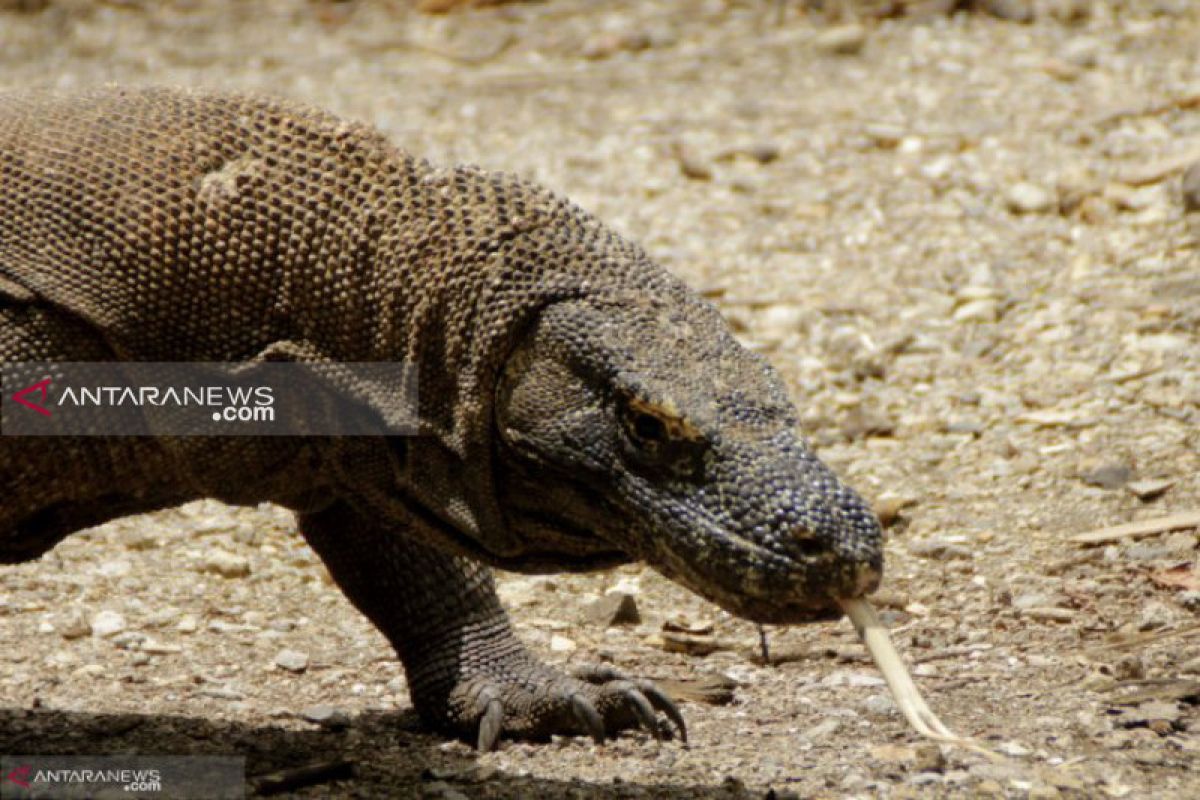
(579, 406)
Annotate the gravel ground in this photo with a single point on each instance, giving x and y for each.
(963, 241)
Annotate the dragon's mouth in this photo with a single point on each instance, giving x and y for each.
(783, 613)
(752, 581)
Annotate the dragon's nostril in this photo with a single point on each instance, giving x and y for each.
(807, 544)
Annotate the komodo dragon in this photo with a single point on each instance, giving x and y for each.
(579, 406)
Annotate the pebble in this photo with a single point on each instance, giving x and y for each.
(609, 43)
(1029, 198)
(939, 549)
(930, 758)
(880, 705)
(327, 716)
(108, 623)
(1190, 188)
(782, 320)
(1190, 600)
(615, 608)
(1082, 52)
(1010, 10)
(822, 729)
(114, 569)
(843, 40)
(1154, 615)
(292, 660)
(985, 310)
(227, 565)
(1109, 476)
(855, 679)
(884, 135)
(1050, 614)
(690, 163)
(157, 648)
(1129, 668)
(1147, 490)
(75, 626)
(221, 693)
(1071, 12)
(1014, 749)
(764, 152)
(561, 644)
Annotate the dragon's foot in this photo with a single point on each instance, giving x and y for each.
(522, 698)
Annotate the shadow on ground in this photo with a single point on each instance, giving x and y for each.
(392, 756)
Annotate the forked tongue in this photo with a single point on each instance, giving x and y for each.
(908, 699)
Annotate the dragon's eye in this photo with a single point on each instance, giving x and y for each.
(647, 428)
(658, 438)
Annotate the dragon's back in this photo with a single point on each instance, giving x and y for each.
(190, 224)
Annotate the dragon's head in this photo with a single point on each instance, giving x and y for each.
(633, 425)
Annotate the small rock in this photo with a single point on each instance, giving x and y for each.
(856, 679)
(781, 320)
(939, 549)
(1147, 552)
(1070, 12)
(1109, 476)
(1049, 614)
(929, 758)
(764, 152)
(1082, 52)
(1151, 489)
(615, 608)
(75, 626)
(107, 623)
(985, 310)
(879, 705)
(1155, 615)
(1191, 667)
(561, 644)
(690, 163)
(843, 40)
(114, 569)
(889, 505)
(1129, 668)
(1014, 749)
(861, 423)
(1009, 10)
(227, 565)
(1151, 711)
(822, 729)
(1190, 600)
(1190, 186)
(1029, 198)
(609, 43)
(327, 716)
(884, 135)
(1031, 600)
(292, 660)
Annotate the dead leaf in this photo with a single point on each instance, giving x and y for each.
(1183, 577)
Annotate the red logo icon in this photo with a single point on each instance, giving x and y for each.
(42, 388)
(20, 776)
